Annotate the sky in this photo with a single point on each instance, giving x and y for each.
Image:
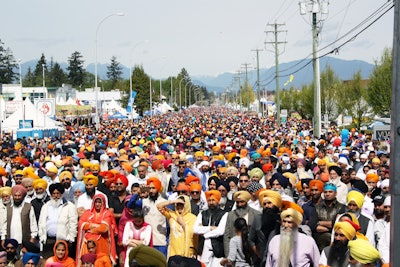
(207, 37)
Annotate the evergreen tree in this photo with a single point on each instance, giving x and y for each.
(76, 72)
(29, 79)
(114, 72)
(7, 65)
(140, 84)
(38, 72)
(57, 76)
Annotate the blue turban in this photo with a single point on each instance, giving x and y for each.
(283, 181)
(330, 186)
(219, 163)
(11, 241)
(79, 185)
(30, 256)
(255, 156)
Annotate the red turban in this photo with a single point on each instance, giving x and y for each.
(18, 188)
(123, 179)
(156, 164)
(156, 182)
(267, 167)
(213, 193)
(317, 183)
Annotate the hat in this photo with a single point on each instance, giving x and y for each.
(336, 169)
(192, 178)
(355, 196)
(89, 258)
(372, 177)
(147, 256)
(123, 179)
(39, 183)
(60, 188)
(95, 167)
(18, 188)
(267, 167)
(6, 190)
(346, 228)
(3, 256)
(359, 185)
(156, 182)
(241, 195)
(19, 173)
(213, 193)
(330, 187)
(224, 184)
(294, 213)
(254, 187)
(385, 183)
(194, 187)
(65, 174)
(127, 167)
(378, 200)
(182, 187)
(30, 256)
(387, 201)
(52, 168)
(91, 178)
(362, 251)
(283, 181)
(11, 241)
(273, 196)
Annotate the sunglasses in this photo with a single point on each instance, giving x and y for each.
(244, 181)
(118, 183)
(182, 192)
(9, 248)
(195, 192)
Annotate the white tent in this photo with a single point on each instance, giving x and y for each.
(2, 108)
(60, 101)
(71, 102)
(163, 108)
(29, 112)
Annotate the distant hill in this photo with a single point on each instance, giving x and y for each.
(344, 69)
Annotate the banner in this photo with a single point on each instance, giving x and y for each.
(131, 100)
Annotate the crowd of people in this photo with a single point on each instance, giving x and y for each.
(200, 187)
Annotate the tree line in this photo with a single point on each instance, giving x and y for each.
(77, 76)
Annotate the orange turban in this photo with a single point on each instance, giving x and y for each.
(95, 167)
(192, 178)
(318, 184)
(372, 177)
(65, 174)
(39, 183)
(194, 187)
(182, 187)
(156, 182)
(267, 167)
(2, 171)
(216, 149)
(156, 164)
(213, 193)
(90, 178)
(321, 162)
(127, 167)
(324, 177)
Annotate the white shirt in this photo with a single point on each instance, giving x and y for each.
(85, 200)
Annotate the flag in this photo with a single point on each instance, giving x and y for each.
(291, 77)
(130, 101)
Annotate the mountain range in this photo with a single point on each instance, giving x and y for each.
(302, 71)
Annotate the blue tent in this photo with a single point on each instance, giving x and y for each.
(118, 116)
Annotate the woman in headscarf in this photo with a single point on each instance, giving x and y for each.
(98, 223)
(181, 222)
(60, 250)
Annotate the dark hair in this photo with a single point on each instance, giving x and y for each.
(137, 213)
(240, 225)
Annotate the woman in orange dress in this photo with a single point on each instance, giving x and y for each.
(98, 224)
(60, 250)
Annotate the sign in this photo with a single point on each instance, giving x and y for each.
(382, 132)
(25, 124)
(12, 106)
(46, 105)
(347, 119)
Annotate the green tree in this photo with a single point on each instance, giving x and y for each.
(330, 84)
(247, 94)
(379, 95)
(29, 79)
(353, 101)
(114, 72)
(76, 71)
(38, 71)
(57, 75)
(7, 65)
(140, 84)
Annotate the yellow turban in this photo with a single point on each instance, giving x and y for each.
(376, 160)
(39, 183)
(292, 178)
(95, 167)
(355, 196)
(90, 178)
(242, 195)
(296, 216)
(273, 196)
(256, 171)
(372, 177)
(65, 174)
(362, 251)
(5, 191)
(85, 163)
(213, 193)
(199, 154)
(346, 228)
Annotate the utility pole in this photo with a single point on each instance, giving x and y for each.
(240, 93)
(246, 85)
(258, 79)
(275, 44)
(395, 144)
(317, 7)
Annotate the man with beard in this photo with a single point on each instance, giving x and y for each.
(58, 220)
(40, 187)
(153, 217)
(225, 203)
(117, 201)
(363, 254)
(66, 180)
(85, 200)
(337, 254)
(11, 247)
(242, 211)
(316, 189)
(204, 169)
(383, 244)
(265, 225)
(30, 192)
(21, 217)
(290, 247)
(210, 225)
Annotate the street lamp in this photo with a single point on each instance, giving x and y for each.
(44, 83)
(130, 73)
(180, 94)
(95, 67)
(185, 95)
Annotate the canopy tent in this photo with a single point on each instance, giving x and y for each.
(163, 108)
(118, 116)
(28, 111)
